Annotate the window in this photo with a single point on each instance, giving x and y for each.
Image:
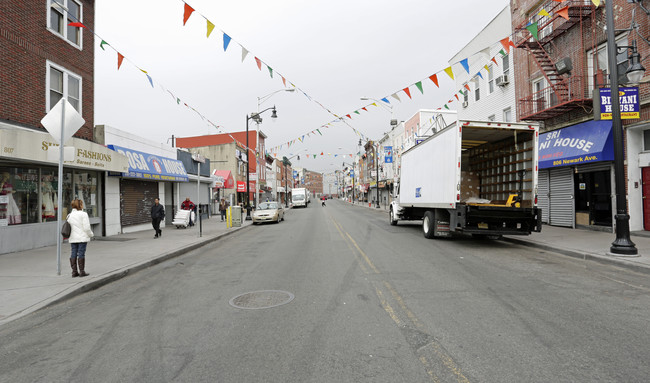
(465, 94)
(62, 13)
(477, 89)
(490, 79)
(61, 82)
(505, 65)
(598, 68)
(646, 140)
(507, 115)
(492, 118)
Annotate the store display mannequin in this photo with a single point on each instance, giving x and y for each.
(10, 210)
(48, 197)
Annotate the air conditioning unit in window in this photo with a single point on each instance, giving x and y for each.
(502, 80)
(465, 104)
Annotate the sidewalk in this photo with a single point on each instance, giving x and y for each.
(28, 279)
(578, 243)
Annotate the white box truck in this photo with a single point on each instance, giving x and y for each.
(299, 197)
(473, 177)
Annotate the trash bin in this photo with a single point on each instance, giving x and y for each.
(236, 212)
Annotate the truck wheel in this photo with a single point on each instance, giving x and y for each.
(391, 217)
(428, 224)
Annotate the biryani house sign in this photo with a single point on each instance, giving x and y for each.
(628, 99)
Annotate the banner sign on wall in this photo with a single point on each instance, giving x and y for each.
(388, 154)
(590, 141)
(151, 167)
(629, 100)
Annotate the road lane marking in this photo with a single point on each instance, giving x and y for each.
(444, 358)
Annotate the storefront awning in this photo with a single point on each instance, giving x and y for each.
(41, 147)
(151, 167)
(583, 143)
(224, 179)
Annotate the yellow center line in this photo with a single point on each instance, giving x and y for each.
(446, 360)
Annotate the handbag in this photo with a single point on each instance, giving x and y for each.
(66, 229)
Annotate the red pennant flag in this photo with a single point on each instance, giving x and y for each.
(407, 91)
(364, 108)
(450, 101)
(457, 97)
(259, 63)
(321, 153)
(119, 60)
(564, 12)
(348, 116)
(495, 60)
(284, 82)
(467, 86)
(186, 14)
(78, 25)
(506, 44)
(434, 78)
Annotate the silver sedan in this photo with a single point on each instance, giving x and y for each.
(268, 212)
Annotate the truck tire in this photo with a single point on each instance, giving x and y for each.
(391, 217)
(429, 224)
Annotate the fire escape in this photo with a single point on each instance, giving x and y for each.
(562, 94)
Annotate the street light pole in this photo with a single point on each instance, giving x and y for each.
(622, 245)
(256, 117)
(377, 175)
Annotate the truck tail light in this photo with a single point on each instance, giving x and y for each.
(457, 197)
(535, 199)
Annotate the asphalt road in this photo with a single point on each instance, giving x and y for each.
(371, 303)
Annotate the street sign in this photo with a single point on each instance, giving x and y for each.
(252, 176)
(72, 121)
(388, 154)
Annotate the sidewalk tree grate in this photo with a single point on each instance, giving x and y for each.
(261, 299)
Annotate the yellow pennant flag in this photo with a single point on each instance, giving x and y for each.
(544, 13)
(449, 72)
(210, 28)
(596, 2)
(487, 68)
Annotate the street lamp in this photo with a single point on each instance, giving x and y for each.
(622, 245)
(260, 101)
(353, 175)
(256, 117)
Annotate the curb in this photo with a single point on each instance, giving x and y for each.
(117, 275)
(582, 255)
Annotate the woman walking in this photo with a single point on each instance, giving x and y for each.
(79, 237)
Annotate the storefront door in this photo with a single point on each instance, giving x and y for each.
(646, 197)
(593, 198)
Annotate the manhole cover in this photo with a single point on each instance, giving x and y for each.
(261, 299)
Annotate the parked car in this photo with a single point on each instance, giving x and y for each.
(268, 212)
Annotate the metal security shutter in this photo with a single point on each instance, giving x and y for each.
(543, 194)
(562, 207)
(136, 199)
(597, 166)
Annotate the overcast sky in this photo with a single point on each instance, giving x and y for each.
(336, 51)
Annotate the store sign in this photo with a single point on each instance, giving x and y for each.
(388, 154)
(241, 186)
(151, 167)
(583, 143)
(629, 103)
(34, 146)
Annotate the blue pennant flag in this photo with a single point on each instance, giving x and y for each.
(385, 100)
(465, 64)
(226, 41)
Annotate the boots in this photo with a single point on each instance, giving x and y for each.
(73, 264)
(82, 266)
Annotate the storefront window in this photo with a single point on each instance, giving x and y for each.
(29, 195)
(18, 196)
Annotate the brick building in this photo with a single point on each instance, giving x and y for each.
(558, 77)
(42, 60)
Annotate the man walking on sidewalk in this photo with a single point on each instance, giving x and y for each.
(157, 215)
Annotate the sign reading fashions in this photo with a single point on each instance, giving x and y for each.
(388, 154)
(629, 100)
(583, 143)
(151, 167)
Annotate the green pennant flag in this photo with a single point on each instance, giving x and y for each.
(503, 53)
(446, 107)
(318, 130)
(532, 28)
(101, 45)
(419, 85)
(357, 112)
(270, 71)
(178, 101)
(314, 156)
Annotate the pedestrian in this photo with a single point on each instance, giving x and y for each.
(188, 205)
(157, 215)
(80, 235)
(223, 206)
